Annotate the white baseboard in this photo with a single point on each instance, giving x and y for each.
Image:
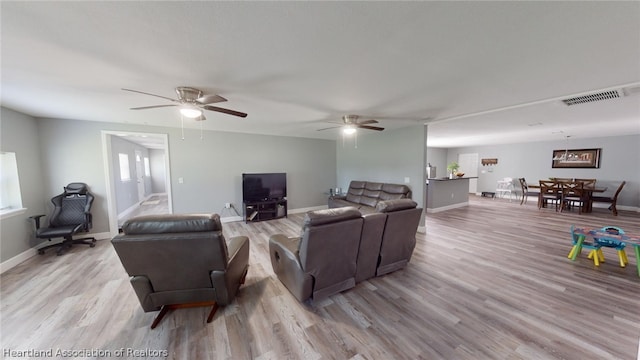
(448, 207)
(27, 254)
(14, 261)
(228, 219)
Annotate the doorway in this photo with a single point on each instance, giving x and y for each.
(469, 166)
(120, 194)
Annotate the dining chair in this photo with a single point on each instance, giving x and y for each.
(596, 249)
(611, 200)
(549, 191)
(614, 243)
(525, 191)
(573, 194)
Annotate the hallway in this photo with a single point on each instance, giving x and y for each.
(156, 204)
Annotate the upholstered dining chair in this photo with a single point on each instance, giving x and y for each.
(610, 200)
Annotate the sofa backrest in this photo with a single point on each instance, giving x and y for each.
(328, 248)
(369, 193)
(176, 252)
(399, 237)
(370, 240)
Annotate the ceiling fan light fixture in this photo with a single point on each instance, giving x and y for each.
(349, 130)
(191, 112)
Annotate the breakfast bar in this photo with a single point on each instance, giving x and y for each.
(445, 193)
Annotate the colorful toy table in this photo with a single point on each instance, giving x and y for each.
(629, 239)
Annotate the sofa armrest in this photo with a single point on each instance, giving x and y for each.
(336, 201)
(286, 265)
(142, 286)
(236, 270)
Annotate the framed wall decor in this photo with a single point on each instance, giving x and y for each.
(576, 158)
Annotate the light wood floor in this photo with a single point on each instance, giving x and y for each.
(489, 281)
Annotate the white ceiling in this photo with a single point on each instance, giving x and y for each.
(292, 66)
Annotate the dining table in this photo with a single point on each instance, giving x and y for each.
(598, 233)
(589, 191)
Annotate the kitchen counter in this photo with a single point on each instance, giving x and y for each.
(445, 194)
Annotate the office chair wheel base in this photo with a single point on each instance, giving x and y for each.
(92, 245)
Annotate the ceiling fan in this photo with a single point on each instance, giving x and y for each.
(191, 102)
(351, 123)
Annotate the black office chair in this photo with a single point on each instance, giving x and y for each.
(70, 216)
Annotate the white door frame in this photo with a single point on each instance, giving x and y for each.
(112, 210)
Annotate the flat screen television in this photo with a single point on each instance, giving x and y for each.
(261, 187)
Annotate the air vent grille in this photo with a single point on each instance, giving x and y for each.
(605, 95)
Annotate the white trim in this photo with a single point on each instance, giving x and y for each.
(228, 219)
(448, 207)
(9, 213)
(422, 229)
(27, 254)
(14, 261)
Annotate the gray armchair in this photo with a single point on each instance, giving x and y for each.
(181, 261)
(323, 261)
(399, 237)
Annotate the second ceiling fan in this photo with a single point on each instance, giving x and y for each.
(352, 122)
(191, 102)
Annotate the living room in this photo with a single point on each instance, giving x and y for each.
(205, 166)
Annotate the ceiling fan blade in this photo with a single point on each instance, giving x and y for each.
(160, 96)
(151, 107)
(333, 127)
(370, 127)
(368, 122)
(225, 111)
(210, 99)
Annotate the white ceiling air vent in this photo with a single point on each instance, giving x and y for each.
(599, 96)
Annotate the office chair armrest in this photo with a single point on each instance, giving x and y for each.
(36, 219)
(88, 220)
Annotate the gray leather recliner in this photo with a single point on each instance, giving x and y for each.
(399, 237)
(322, 261)
(181, 260)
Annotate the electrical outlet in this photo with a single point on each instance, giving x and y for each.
(227, 205)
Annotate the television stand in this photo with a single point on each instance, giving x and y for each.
(264, 210)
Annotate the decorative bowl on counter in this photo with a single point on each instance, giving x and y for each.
(460, 174)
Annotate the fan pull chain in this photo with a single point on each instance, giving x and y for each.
(201, 130)
(356, 139)
(182, 125)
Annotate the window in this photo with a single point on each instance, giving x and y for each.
(10, 196)
(147, 168)
(125, 174)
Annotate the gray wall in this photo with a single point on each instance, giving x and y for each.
(387, 156)
(211, 168)
(19, 134)
(620, 160)
(54, 152)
